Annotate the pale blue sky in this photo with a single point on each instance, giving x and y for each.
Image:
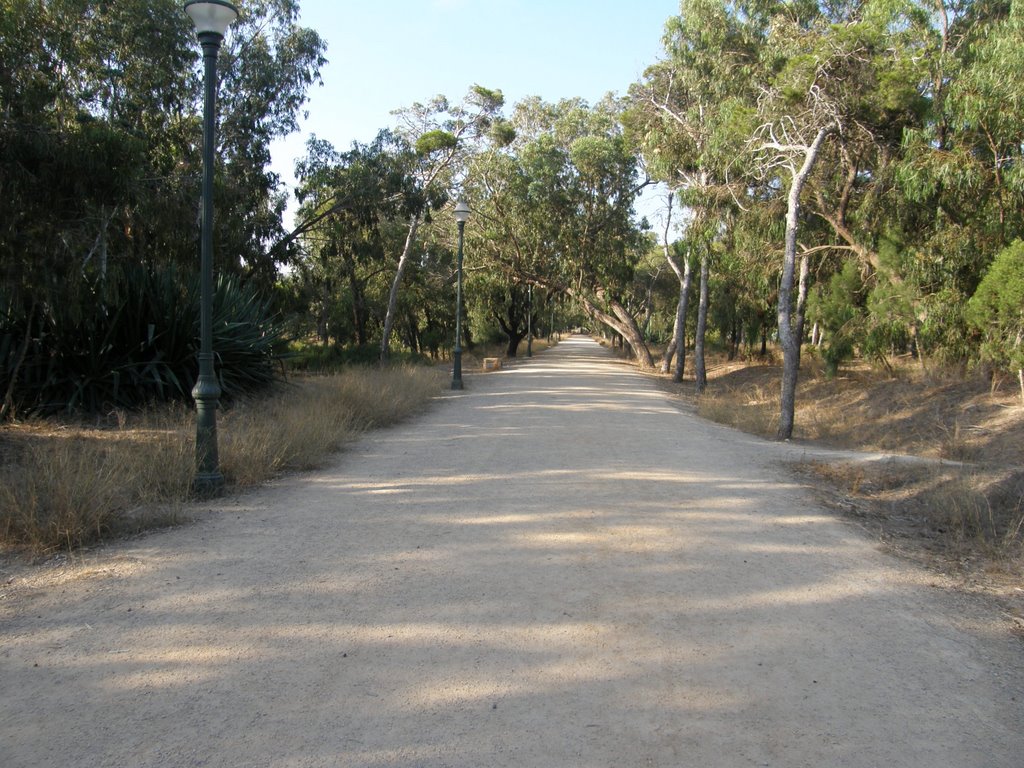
(388, 54)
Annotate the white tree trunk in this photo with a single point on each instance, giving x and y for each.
(403, 261)
(790, 327)
(685, 280)
(702, 324)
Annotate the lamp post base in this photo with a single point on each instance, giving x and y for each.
(457, 370)
(207, 485)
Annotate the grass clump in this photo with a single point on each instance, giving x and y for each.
(66, 485)
(306, 421)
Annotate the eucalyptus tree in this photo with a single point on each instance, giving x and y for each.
(844, 83)
(689, 115)
(349, 205)
(100, 129)
(442, 134)
(555, 209)
(87, 97)
(961, 194)
(100, 121)
(502, 304)
(677, 257)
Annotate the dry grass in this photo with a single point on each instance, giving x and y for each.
(306, 421)
(65, 485)
(940, 414)
(473, 359)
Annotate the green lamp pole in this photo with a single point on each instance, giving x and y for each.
(461, 216)
(212, 19)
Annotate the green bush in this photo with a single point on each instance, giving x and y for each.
(132, 339)
(997, 309)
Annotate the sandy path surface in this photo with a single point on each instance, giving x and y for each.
(554, 567)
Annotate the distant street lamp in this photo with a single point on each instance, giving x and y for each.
(461, 216)
(212, 19)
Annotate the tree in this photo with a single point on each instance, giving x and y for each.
(835, 76)
(350, 203)
(441, 134)
(679, 260)
(100, 130)
(554, 209)
(797, 156)
(689, 115)
(996, 310)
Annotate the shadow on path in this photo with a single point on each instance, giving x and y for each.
(554, 567)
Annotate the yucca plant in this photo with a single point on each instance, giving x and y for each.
(132, 339)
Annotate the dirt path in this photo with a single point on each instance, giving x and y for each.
(554, 567)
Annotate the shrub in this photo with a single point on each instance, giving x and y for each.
(132, 339)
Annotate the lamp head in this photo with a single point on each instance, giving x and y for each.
(211, 15)
(462, 212)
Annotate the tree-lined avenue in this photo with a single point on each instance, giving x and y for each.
(553, 567)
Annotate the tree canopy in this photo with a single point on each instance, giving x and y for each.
(847, 174)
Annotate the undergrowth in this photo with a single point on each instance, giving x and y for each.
(65, 485)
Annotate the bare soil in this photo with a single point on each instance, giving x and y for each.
(936, 472)
(556, 566)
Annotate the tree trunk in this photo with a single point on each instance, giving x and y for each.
(685, 281)
(677, 348)
(620, 322)
(670, 351)
(403, 261)
(7, 408)
(322, 328)
(514, 340)
(702, 325)
(801, 300)
(790, 327)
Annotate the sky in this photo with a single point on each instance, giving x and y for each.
(388, 54)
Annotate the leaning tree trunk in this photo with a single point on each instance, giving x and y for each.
(403, 262)
(702, 325)
(790, 326)
(670, 351)
(620, 322)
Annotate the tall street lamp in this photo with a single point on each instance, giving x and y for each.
(461, 216)
(212, 19)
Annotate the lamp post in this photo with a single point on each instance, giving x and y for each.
(461, 216)
(212, 19)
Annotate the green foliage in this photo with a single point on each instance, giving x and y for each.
(435, 141)
(996, 309)
(837, 310)
(131, 340)
(100, 133)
